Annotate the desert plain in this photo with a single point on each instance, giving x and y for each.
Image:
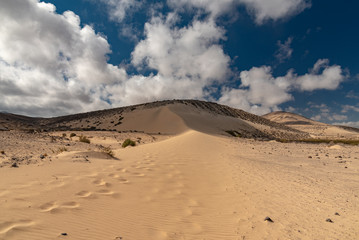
(197, 171)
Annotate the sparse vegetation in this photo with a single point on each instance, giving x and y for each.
(119, 121)
(128, 142)
(84, 139)
(233, 133)
(108, 151)
(62, 149)
(72, 134)
(318, 140)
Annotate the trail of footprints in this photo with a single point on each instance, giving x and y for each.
(102, 187)
(112, 176)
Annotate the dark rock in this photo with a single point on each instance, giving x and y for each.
(329, 220)
(42, 156)
(337, 214)
(64, 234)
(268, 219)
(14, 165)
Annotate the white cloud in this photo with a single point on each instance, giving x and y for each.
(350, 124)
(339, 117)
(329, 79)
(189, 52)
(290, 109)
(119, 9)
(261, 93)
(262, 10)
(184, 61)
(352, 94)
(51, 63)
(215, 8)
(284, 51)
(346, 108)
(317, 117)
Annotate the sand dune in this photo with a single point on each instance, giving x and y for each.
(314, 128)
(190, 181)
(165, 117)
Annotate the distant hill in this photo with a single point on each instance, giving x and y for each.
(163, 117)
(314, 128)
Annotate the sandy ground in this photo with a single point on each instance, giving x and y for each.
(190, 186)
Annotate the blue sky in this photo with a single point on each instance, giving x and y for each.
(59, 57)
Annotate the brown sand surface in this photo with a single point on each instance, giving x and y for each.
(190, 186)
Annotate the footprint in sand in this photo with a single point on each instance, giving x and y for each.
(114, 175)
(101, 182)
(124, 170)
(54, 207)
(138, 174)
(9, 226)
(123, 180)
(85, 194)
(108, 193)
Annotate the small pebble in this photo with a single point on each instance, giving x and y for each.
(268, 219)
(64, 234)
(329, 220)
(14, 165)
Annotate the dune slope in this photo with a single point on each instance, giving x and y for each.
(314, 128)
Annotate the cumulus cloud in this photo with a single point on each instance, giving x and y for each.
(350, 124)
(261, 10)
(284, 51)
(261, 93)
(339, 117)
(51, 63)
(346, 108)
(329, 79)
(184, 61)
(118, 9)
(264, 10)
(214, 8)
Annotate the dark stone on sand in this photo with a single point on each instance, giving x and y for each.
(64, 234)
(337, 214)
(268, 219)
(14, 165)
(42, 156)
(329, 220)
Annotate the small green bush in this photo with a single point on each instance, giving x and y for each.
(128, 142)
(84, 139)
